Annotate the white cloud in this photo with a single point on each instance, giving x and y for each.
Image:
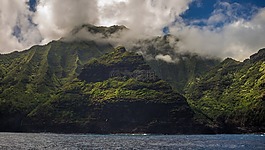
(238, 38)
(144, 16)
(166, 58)
(15, 14)
(105, 3)
(55, 18)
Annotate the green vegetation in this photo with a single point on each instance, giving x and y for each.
(233, 92)
(73, 103)
(128, 83)
(187, 66)
(31, 77)
(84, 86)
(52, 93)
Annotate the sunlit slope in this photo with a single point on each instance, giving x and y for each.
(29, 78)
(233, 93)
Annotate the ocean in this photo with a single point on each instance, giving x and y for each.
(49, 141)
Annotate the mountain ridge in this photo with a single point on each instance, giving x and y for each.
(76, 86)
(117, 104)
(233, 93)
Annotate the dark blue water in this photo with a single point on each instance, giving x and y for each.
(88, 141)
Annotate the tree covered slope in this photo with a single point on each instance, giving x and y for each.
(78, 87)
(91, 87)
(116, 93)
(173, 65)
(29, 78)
(233, 93)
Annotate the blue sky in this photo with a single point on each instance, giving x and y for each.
(202, 9)
(32, 4)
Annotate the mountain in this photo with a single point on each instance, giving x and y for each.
(233, 94)
(177, 68)
(88, 86)
(116, 93)
(30, 77)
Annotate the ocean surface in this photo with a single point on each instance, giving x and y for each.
(32, 141)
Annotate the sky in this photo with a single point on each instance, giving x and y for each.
(218, 28)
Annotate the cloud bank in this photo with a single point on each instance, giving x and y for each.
(237, 38)
(16, 29)
(228, 32)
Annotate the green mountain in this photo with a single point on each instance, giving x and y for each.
(186, 66)
(88, 86)
(30, 77)
(116, 93)
(233, 93)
